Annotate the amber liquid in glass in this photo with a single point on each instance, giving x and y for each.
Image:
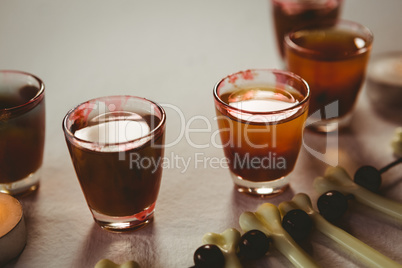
(261, 147)
(120, 182)
(291, 14)
(22, 135)
(336, 72)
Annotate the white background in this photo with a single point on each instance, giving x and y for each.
(173, 52)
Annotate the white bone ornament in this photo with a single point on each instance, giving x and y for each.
(106, 263)
(267, 219)
(361, 251)
(336, 178)
(227, 242)
(396, 142)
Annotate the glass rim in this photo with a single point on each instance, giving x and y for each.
(301, 3)
(152, 133)
(354, 26)
(36, 98)
(273, 71)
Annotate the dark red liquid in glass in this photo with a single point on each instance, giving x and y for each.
(22, 134)
(113, 183)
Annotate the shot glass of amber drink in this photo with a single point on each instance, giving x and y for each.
(22, 131)
(261, 115)
(116, 145)
(289, 14)
(332, 58)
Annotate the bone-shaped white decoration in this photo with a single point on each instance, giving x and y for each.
(227, 242)
(336, 178)
(268, 220)
(363, 252)
(106, 263)
(396, 142)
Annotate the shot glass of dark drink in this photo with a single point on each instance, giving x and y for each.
(332, 58)
(261, 115)
(116, 145)
(22, 131)
(289, 14)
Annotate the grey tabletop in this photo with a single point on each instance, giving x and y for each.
(173, 52)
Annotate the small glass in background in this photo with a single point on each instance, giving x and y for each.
(289, 14)
(22, 131)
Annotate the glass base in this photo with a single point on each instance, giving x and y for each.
(329, 125)
(124, 223)
(24, 186)
(262, 189)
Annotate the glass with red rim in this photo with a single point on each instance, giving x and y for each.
(261, 115)
(116, 144)
(22, 131)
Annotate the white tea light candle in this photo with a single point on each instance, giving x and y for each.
(12, 228)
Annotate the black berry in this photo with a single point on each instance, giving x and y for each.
(368, 177)
(209, 256)
(332, 205)
(297, 223)
(254, 244)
